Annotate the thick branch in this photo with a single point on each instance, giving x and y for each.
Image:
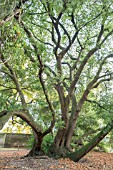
(63, 52)
(70, 70)
(80, 69)
(100, 33)
(23, 114)
(59, 37)
(65, 31)
(54, 40)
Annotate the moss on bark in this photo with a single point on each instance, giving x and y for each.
(76, 156)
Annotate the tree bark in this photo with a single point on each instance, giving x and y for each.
(72, 123)
(59, 138)
(64, 136)
(37, 146)
(76, 156)
(69, 134)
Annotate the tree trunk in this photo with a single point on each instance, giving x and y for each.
(38, 134)
(24, 115)
(76, 156)
(59, 139)
(37, 146)
(70, 130)
(69, 135)
(72, 123)
(60, 136)
(63, 138)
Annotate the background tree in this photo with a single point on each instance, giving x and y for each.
(54, 57)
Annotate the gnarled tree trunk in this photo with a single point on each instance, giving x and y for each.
(37, 146)
(38, 134)
(24, 115)
(64, 136)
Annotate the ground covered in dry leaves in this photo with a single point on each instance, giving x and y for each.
(11, 160)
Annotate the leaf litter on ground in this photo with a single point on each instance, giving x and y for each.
(12, 160)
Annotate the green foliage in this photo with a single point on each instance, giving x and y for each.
(38, 35)
(47, 143)
(105, 145)
(30, 142)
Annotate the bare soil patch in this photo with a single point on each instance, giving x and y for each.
(11, 160)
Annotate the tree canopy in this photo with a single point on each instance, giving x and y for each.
(56, 69)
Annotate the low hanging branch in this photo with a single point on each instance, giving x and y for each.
(23, 114)
(76, 156)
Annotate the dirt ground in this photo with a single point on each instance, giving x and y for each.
(11, 160)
